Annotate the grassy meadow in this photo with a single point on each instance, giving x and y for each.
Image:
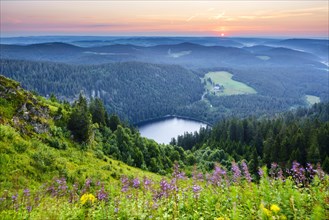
(311, 99)
(301, 193)
(230, 86)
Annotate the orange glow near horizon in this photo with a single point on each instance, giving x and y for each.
(161, 18)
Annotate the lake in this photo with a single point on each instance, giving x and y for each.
(163, 130)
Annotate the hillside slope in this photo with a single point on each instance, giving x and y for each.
(34, 148)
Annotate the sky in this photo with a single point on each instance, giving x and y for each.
(233, 18)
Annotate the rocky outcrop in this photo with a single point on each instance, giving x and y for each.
(22, 109)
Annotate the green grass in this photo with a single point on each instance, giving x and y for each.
(231, 87)
(263, 57)
(311, 99)
(31, 162)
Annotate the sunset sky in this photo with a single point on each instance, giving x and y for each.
(166, 18)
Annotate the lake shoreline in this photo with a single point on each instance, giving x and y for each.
(139, 124)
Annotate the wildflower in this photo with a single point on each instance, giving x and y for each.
(125, 184)
(102, 195)
(274, 208)
(265, 210)
(298, 173)
(87, 198)
(147, 183)
(88, 182)
(14, 197)
(280, 174)
(26, 192)
(62, 187)
(136, 183)
(165, 188)
(200, 176)
(260, 172)
(246, 171)
(177, 173)
(273, 170)
(29, 208)
(236, 171)
(196, 191)
(311, 171)
(216, 177)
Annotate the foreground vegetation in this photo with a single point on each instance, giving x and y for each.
(299, 193)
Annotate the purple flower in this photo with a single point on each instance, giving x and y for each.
(177, 173)
(216, 178)
(298, 173)
(280, 174)
(310, 170)
(26, 192)
(116, 210)
(136, 183)
(164, 185)
(196, 191)
(62, 187)
(147, 183)
(260, 172)
(29, 208)
(102, 195)
(165, 188)
(125, 184)
(14, 197)
(273, 169)
(200, 176)
(236, 171)
(87, 183)
(246, 171)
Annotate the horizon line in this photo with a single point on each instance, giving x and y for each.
(171, 36)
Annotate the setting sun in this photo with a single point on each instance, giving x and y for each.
(172, 18)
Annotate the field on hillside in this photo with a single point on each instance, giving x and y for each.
(221, 84)
(264, 57)
(311, 99)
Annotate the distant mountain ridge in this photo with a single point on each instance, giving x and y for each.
(199, 56)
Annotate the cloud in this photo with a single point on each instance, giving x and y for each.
(249, 17)
(218, 16)
(190, 18)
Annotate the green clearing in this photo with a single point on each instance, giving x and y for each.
(263, 57)
(227, 86)
(311, 99)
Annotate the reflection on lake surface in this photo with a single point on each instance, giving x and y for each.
(164, 129)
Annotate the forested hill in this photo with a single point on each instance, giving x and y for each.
(301, 135)
(136, 91)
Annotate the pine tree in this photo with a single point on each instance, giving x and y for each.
(79, 122)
